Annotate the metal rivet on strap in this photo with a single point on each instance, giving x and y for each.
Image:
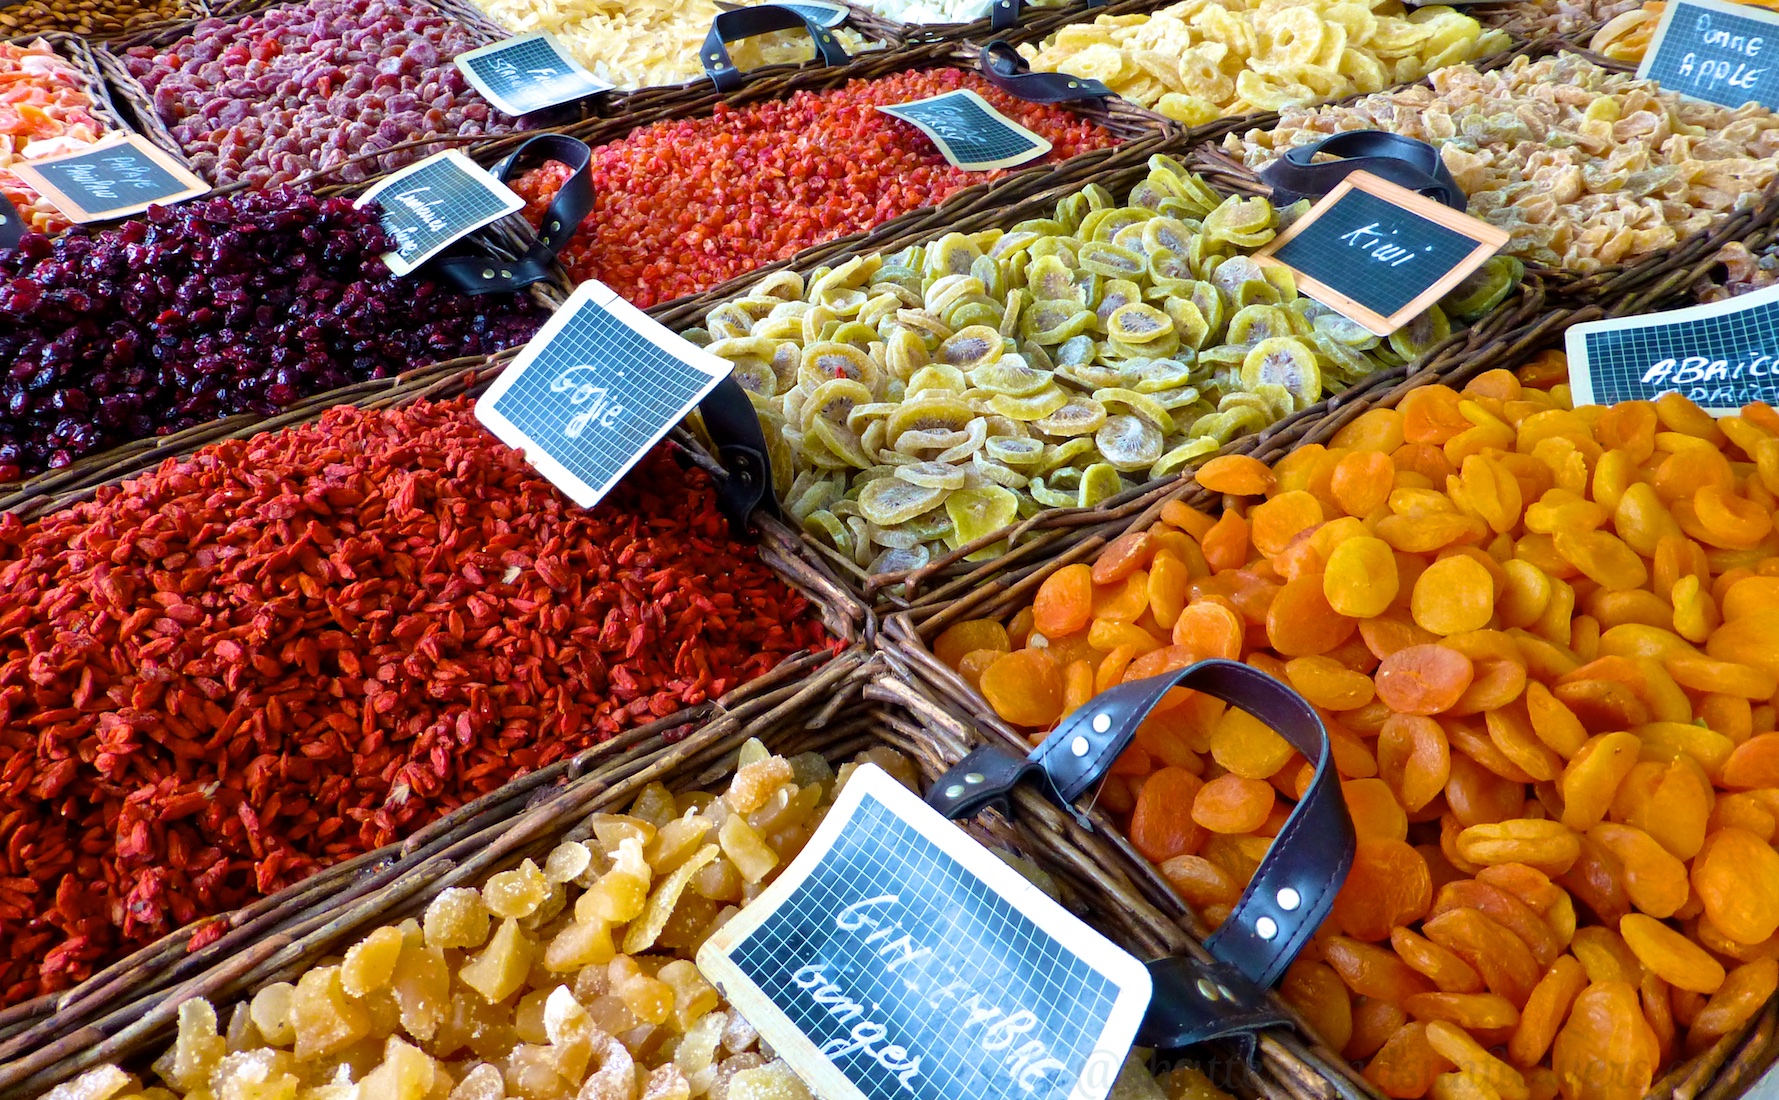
(974, 777)
(1079, 746)
(1266, 928)
(1208, 989)
(956, 790)
(506, 274)
(1102, 722)
(487, 273)
(555, 226)
(1289, 899)
(1223, 989)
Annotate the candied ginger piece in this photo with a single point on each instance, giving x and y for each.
(270, 1011)
(773, 1081)
(197, 1049)
(754, 783)
(567, 862)
(516, 893)
(406, 1074)
(500, 968)
(99, 1083)
(458, 917)
(370, 962)
(483, 1082)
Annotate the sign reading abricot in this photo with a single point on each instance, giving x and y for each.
(1379, 253)
(1720, 356)
(971, 133)
(598, 386)
(428, 205)
(528, 73)
(1718, 52)
(897, 959)
(111, 180)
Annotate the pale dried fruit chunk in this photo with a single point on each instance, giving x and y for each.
(324, 1018)
(370, 962)
(501, 967)
(457, 918)
(773, 1081)
(647, 928)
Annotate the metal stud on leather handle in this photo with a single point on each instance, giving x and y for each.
(570, 206)
(1290, 894)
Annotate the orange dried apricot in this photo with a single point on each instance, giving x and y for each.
(1453, 595)
(1606, 1049)
(1238, 475)
(1225, 545)
(1360, 579)
(1064, 602)
(1441, 967)
(1329, 684)
(1373, 1024)
(1301, 623)
(1744, 990)
(961, 638)
(1406, 1066)
(1388, 887)
(972, 665)
(1316, 992)
(1122, 556)
(1024, 687)
(1199, 882)
(1423, 679)
(1414, 759)
(1737, 877)
(1678, 960)
(1655, 881)
(1502, 958)
(1362, 481)
(1210, 628)
(1161, 826)
(1545, 1011)
(1232, 804)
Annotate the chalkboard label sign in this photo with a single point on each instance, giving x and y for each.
(111, 180)
(1721, 356)
(598, 386)
(1720, 53)
(1380, 254)
(428, 205)
(528, 73)
(972, 134)
(897, 959)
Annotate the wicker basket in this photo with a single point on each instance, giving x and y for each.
(30, 1032)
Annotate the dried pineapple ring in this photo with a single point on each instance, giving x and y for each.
(939, 413)
(1034, 407)
(1099, 481)
(833, 400)
(1080, 415)
(1014, 452)
(975, 436)
(931, 475)
(1140, 405)
(1254, 324)
(1285, 361)
(1012, 376)
(1111, 261)
(889, 500)
(1128, 442)
(1363, 70)
(1294, 35)
(971, 347)
(978, 512)
(1139, 324)
(1175, 460)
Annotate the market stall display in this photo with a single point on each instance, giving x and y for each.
(1197, 63)
(47, 106)
(685, 205)
(1542, 19)
(309, 644)
(93, 19)
(237, 303)
(1583, 166)
(1541, 645)
(299, 88)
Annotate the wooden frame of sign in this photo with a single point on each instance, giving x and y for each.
(1488, 238)
(76, 211)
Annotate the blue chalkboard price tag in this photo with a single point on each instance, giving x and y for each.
(1380, 254)
(529, 73)
(427, 206)
(598, 386)
(897, 959)
(971, 133)
(111, 180)
(1720, 53)
(1720, 356)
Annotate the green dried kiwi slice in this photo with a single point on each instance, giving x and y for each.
(1138, 323)
(1285, 361)
(1114, 295)
(786, 311)
(844, 301)
(1059, 455)
(1069, 477)
(1130, 238)
(971, 347)
(1140, 405)
(932, 475)
(1159, 348)
(1111, 261)
(975, 309)
(1036, 356)
(1171, 234)
(898, 559)
(754, 375)
(1302, 325)
(862, 415)
(1346, 331)
(897, 537)
(1032, 407)
(856, 271)
(815, 495)
(1179, 457)
(698, 337)
(1180, 397)
(1147, 195)
(856, 333)
(1016, 300)
(1421, 334)
(939, 412)
(1048, 497)
(1485, 288)
(1098, 198)
(1169, 267)
(1104, 225)
(1010, 375)
(1221, 427)
(890, 500)
(1100, 481)
(785, 285)
(1092, 376)
(951, 254)
(1092, 287)
(1343, 357)
(1128, 442)
(1189, 322)
(1075, 351)
(997, 473)
(841, 441)
(937, 378)
(871, 438)
(1223, 355)
(825, 360)
(974, 437)
(1245, 223)
(1016, 239)
(1050, 323)
(976, 513)
(1204, 254)
(1232, 271)
(1168, 174)
(946, 289)
(924, 323)
(1042, 227)
(1182, 209)
(878, 308)
(1282, 279)
(931, 525)
(1211, 305)
(984, 239)
(1069, 211)
(1065, 249)
(831, 529)
(993, 278)
(1013, 451)
(1157, 375)
(1079, 415)
(1049, 279)
(1253, 324)
(1257, 292)
(904, 353)
(758, 347)
(904, 280)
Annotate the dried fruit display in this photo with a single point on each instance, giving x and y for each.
(1532, 19)
(1584, 167)
(687, 204)
(283, 652)
(1544, 644)
(919, 401)
(1197, 62)
(943, 11)
(45, 109)
(1743, 271)
(646, 43)
(238, 303)
(1625, 37)
(88, 18)
(302, 87)
(573, 979)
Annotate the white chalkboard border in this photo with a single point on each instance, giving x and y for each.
(1130, 976)
(594, 85)
(1581, 376)
(510, 203)
(1042, 143)
(71, 207)
(1652, 53)
(1488, 238)
(594, 295)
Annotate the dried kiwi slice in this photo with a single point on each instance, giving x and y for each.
(932, 475)
(1031, 407)
(979, 512)
(1138, 323)
(1485, 288)
(972, 347)
(890, 500)
(1111, 261)
(1099, 481)
(1010, 375)
(1286, 361)
(1080, 416)
(1421, 335)
(1015, 452)
(1128, 442)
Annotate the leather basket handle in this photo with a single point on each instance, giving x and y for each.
(738, 23)
(1401, 160)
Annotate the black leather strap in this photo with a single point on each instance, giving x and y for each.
(1289, 895)
(1004, 16)
(1008, 71)
(732, 26)
(734, 427)
(1401, 160)
(483, 274)
(12, 226)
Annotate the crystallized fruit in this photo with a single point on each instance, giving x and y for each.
(45, 104)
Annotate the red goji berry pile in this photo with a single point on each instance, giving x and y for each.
(682, 206)
(283, 652)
